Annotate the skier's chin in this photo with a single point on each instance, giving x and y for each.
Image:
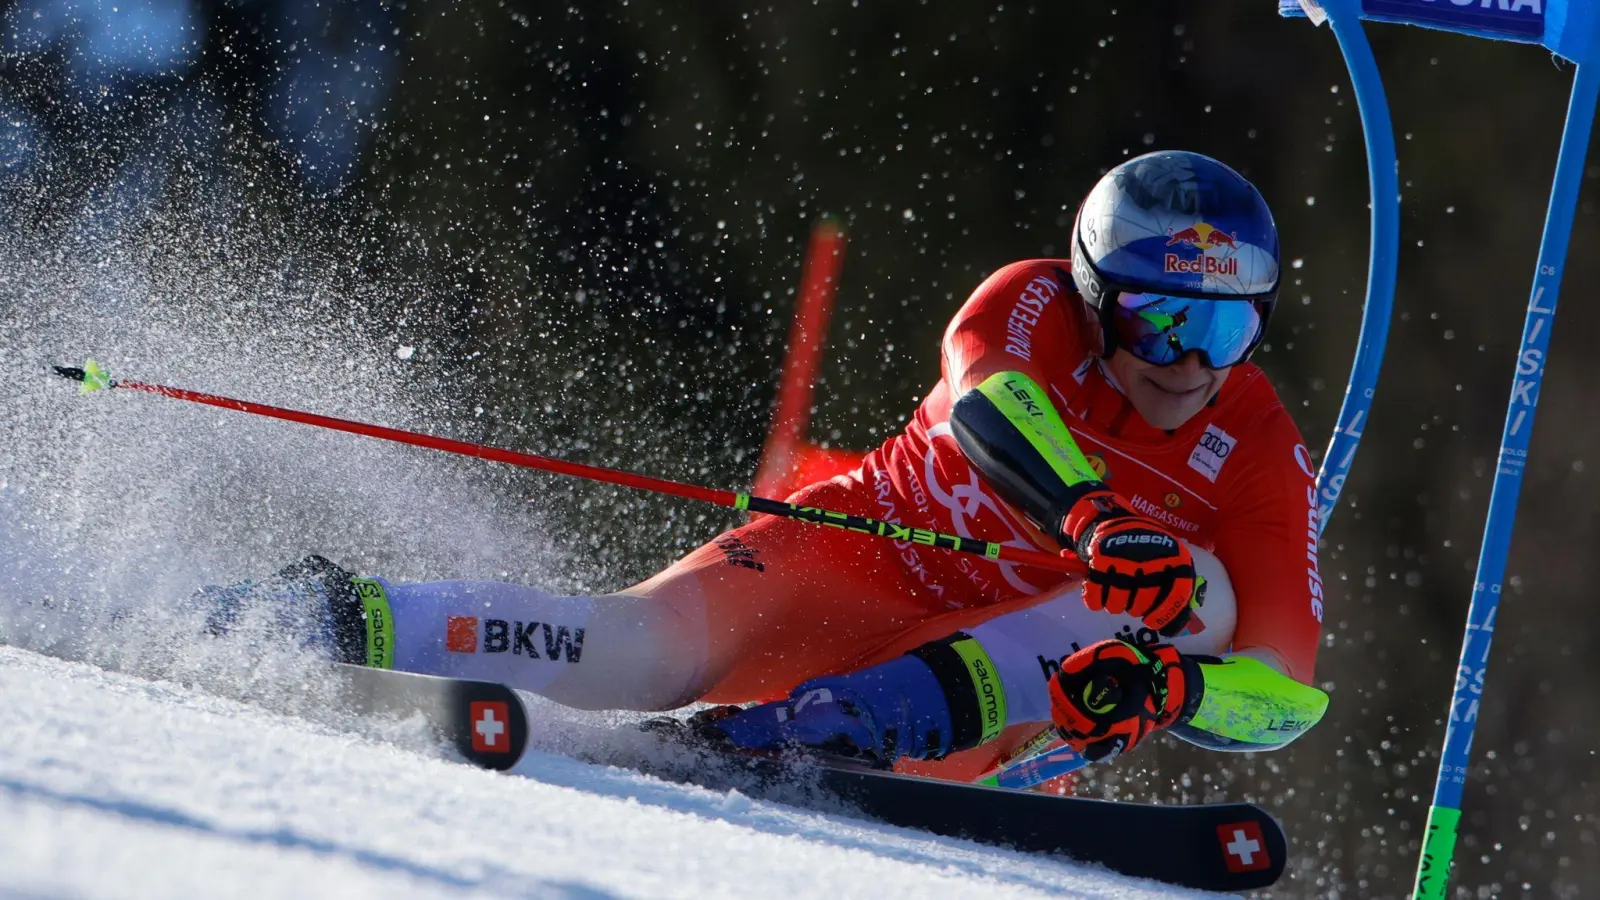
(1168, 411)
(1168, 406)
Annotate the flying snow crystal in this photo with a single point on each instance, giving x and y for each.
(404, 351)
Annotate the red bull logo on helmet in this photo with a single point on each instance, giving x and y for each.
(1203, 237)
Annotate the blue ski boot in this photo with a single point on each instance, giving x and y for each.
(941, 697)
(313, 601)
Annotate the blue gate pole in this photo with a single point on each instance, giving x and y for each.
(1344, 17)
(1438, 846)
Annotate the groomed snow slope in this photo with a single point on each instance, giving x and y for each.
(113, 786)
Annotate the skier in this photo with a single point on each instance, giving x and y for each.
(1100, 406)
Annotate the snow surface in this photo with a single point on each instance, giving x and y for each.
(116, 786)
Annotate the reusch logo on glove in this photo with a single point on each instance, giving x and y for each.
(1162, 541)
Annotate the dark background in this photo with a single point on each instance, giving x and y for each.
(603, 207)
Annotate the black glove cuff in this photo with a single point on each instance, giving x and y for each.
(1109, 507)
(1194, 685)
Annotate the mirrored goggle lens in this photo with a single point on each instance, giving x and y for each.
(1160, 329)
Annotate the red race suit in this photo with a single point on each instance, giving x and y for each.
(1236, 480)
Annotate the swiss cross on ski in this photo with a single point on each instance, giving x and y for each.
(489, 724)
(1243, 849)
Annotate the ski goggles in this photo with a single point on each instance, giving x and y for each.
(1161, 328)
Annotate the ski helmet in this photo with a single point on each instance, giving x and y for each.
(1177, 253)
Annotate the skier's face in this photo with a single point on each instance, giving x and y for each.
(1166, 396)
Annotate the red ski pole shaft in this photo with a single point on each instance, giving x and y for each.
(730, 499)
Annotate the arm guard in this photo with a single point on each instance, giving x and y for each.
(1248, 705)
(1008, 430)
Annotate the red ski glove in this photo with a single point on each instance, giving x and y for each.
(1135, 565)
(1110, 695)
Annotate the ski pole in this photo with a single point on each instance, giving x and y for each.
(95, 378)
(1035, 762)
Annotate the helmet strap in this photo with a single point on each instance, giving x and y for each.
(1083, 276)
(1108, 334)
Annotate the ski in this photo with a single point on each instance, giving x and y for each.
(1216, 847)
(485, 722)
(1229, 846)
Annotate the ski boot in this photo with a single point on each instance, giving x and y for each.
(315, 601)
(894, 710)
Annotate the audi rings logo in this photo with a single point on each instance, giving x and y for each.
(1211, 452)
(1216, 445)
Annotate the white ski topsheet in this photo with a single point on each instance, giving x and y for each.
(114, 786)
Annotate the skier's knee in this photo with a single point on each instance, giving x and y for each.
(646, 655)
(671, 676)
